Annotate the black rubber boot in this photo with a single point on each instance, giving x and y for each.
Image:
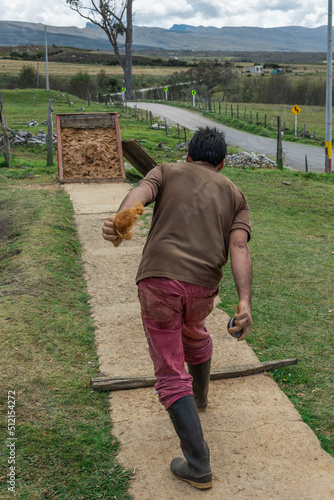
(201, 378)
(196, 468)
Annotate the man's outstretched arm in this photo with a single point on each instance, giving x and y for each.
(141, 193)
(241, 264)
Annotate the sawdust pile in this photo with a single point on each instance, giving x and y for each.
(90, 153)
(124, 221)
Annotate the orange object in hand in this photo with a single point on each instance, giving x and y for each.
(124, 221)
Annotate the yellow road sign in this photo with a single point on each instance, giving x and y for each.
(296, 110)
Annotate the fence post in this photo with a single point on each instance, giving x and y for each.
(231, 111)
(265, 121)
(279, 155)
(245, 114)
(306, 164)
(257, 118)
(326, 160)
(238, 111)
(251, 117)
(178, 131)
(6, 143)
(185, 134)
(49, 137)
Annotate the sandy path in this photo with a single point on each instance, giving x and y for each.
(260, 447)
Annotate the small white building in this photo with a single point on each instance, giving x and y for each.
(258, 69)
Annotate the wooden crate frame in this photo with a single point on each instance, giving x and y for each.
(88, 121)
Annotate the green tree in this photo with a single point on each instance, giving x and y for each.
(209, 76)
(115, 18)
(80, 84)
(27, 78)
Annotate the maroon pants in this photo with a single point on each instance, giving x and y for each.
(173, 314)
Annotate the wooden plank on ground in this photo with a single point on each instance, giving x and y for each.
(122, 383)
(137, 156)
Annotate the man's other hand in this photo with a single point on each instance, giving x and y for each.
(242, 320)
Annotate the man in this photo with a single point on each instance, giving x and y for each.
(199, 216)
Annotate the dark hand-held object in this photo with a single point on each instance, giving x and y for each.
(231, 324)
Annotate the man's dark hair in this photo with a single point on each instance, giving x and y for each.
(208, 144)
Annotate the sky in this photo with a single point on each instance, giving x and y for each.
(165, 13)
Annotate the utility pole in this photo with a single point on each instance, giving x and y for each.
(46, 61)
(328, 143)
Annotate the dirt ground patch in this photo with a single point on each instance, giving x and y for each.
(260, 447)
(90, 153)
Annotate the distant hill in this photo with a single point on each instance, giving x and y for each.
(179, 37)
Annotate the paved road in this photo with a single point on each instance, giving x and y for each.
(294, 154)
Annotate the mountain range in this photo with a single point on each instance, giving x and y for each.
(178, 37)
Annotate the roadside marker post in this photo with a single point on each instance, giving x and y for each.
(296, 110)
(166, 93)
(193, 93)
(123, 93)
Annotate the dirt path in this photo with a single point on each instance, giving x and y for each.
(260, 447)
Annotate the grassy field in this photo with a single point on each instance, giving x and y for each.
(13, 67)
(314, 118)
(65, 448)
(23, 106)
(293, 258)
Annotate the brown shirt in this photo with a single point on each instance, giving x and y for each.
(196, 208)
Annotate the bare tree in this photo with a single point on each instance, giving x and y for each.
(206, 77)
(211, 75)
(115, 18)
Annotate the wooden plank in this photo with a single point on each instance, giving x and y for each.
(122, 383)
(137, 156)
(87, 120)
(103, 180)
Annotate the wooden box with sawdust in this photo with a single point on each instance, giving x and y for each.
(89, 148)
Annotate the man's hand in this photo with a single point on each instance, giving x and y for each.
(241, 264)
(242, 320)
(108, 232)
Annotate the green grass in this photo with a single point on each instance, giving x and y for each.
(64, 446)
(293, 259)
